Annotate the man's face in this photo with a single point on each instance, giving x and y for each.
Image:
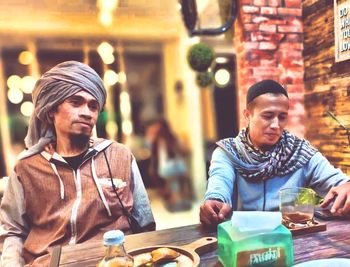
(76, 116)
(267, 118)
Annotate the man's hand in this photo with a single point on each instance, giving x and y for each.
(341, 196)
(213, 212)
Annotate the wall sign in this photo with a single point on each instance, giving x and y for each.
(342, 29)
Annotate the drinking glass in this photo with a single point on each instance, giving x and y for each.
(297, 205)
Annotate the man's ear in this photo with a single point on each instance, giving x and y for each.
(247, 114)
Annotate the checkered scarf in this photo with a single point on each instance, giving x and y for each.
(289, 154)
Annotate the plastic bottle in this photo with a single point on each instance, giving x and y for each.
(115, 254)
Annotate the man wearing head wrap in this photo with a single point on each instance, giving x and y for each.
(247, 172)
(68, 187)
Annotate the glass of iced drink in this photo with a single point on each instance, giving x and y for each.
(297, 205)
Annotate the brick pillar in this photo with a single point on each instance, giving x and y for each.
(268, 43)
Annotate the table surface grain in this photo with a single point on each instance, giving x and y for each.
(334, 242)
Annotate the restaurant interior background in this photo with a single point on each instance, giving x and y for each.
(139, 48)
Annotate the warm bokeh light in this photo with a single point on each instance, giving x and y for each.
(221, 60)
(105, 50)
(25, 58)
(28, 83)
(15, 95)
(108, 59)
(127, 127)
(106, 8)
(193, 40)
(125, 107)
(27, 108)
(14, 81)
(105, 18)
(122, 77)
(222, 77)
(178, 7)
(107, 4)
(111, 128)
(110, 77)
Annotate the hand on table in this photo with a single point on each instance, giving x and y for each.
(341, 197)
(213, 212)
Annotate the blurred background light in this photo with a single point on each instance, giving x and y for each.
(14, 81)
(107, 4)
(127, 127)
(15, 95)
(125, 107)
(105, 50)
(25, 58)
(108, 59)
(178, 7)
(221, 60)
(111, 128)
(193, 40)
(27, 108)
(28, 83)
(222, 77)
(105, 18)
(110, 77)
(106, 8)
(122, 77)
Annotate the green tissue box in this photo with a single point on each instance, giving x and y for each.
(254, 248)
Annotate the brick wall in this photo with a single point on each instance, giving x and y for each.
(327, 85)
(268, 43)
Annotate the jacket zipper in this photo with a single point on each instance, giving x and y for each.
(74, 214)
(73, 218)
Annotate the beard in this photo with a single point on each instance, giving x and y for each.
(80, 140)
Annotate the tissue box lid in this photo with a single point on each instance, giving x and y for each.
(274, 248)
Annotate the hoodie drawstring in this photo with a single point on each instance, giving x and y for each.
(99, 188)
(53, 166)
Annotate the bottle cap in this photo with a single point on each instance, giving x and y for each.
(113, 237)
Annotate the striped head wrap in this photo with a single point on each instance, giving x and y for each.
(56, 85)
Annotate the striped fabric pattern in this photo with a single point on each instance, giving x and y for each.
(288, 155)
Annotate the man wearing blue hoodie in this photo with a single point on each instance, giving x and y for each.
(248, 171)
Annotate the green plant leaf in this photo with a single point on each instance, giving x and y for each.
(200, 56)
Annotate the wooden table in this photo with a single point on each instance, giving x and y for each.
(334, 242)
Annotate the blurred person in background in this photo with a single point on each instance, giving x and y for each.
(69, 187)
(168, 168)
(248, 171)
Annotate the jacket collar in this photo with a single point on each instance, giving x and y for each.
(96, 146)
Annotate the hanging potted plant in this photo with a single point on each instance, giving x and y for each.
(204, 79)
(200, 56)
